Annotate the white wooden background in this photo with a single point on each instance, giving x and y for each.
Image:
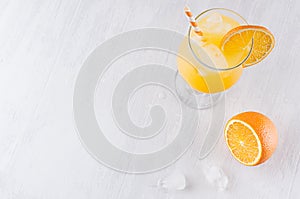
(43, 44)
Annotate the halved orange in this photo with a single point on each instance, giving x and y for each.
(251, 138)
(236, 44)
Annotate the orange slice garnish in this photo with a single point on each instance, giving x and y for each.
(236, 44)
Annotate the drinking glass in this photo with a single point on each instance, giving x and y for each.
(207, 72)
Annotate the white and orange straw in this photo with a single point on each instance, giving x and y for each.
(192, 21)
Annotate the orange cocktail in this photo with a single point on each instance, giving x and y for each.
(213, 70)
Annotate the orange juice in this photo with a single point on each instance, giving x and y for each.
(208, 69)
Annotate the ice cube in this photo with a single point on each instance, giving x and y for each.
(198, 40)
(174, 181)
(227, 27)
(212, 22)
(215, 56)
(162, 95)
(216, 177)
(214, 18)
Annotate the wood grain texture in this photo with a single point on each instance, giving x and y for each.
(44, 44)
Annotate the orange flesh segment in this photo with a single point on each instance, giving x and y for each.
(243, 143)
(262, 45)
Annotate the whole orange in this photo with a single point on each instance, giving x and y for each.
(251, 137)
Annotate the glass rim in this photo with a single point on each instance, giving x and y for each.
(199, 60)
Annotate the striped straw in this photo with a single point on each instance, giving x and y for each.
(192, 21)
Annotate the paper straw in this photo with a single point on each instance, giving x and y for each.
(192, 21)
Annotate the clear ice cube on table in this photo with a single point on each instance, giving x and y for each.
(174, 181)
(216, 177)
